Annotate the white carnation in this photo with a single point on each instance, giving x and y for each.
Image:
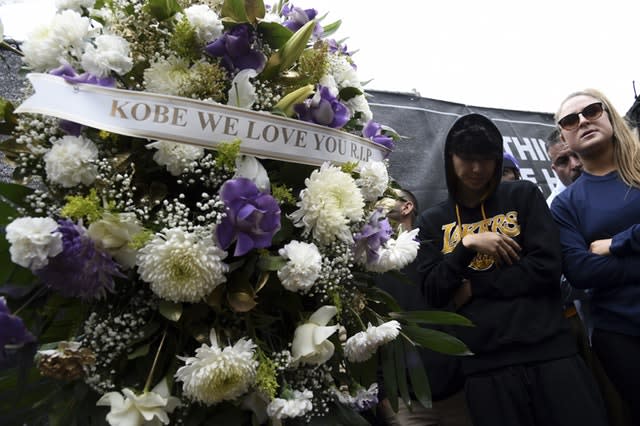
(167, 76)
(76, 5)
(330, 202)
(343, 72)
(373, 180)
(33, 241)
(71, 161)
(181, 266)
(360, 104)
(206, 22)
(215, 374)
(298, 405)
(111, 53)
(303, 268)
(396, 253)
(41, 51)
(177, 157)
(361, 346)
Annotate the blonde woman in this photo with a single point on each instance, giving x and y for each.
(599, 218)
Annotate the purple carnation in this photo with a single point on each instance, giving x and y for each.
(297, 17)
(12, 330)
(252, 217)
(323, 108)
(372, 236)
(70, 75)
(81, 269)
(235, 51)
(373, 131)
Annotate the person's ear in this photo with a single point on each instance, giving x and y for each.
(407, 208)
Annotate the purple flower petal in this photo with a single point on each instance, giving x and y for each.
(12, 330)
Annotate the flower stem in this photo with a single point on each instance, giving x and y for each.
(36, 294)
(5, 45)
(147, 384)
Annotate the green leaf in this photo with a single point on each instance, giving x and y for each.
(289, 53)
(271, 263)
(255, 10)
(436, 340)
(418, 376)
(381, 296)
(139, 352)
(163, 9)
(274, 34)
(170, 310)
(349, 92)
(389, 376)
(327, 30)
(14, 192)
(432, 317)
(7, 213)
(401, 371)
(235, 11)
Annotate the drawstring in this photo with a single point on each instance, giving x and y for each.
(462, 231)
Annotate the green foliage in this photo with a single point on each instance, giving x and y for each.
(163, 9)
(79, 207)
(184, 40)
(227, 153)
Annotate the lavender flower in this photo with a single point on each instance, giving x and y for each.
(323, 108)
(81, 270)
(12, 330)
(235, 51)
(297, 17)
(252, 217)
(372, 237)
(373, 131)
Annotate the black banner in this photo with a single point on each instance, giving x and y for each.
(417, 162)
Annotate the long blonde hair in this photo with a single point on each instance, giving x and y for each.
(626, 145)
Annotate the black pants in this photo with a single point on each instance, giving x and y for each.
(619, 355)
(553, 393)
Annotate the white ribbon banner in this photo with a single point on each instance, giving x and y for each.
(152, 116)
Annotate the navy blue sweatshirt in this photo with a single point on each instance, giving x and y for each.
(594, 208)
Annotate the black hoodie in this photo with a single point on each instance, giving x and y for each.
(516, 309)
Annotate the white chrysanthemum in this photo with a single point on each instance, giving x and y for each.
(177, 157)
(242, 93)
(114, 232)
(329, 203)
(181, 266)
(110, 53)
(373, 180)
(298, 405)
(167, 76)
(33, 241)
(360, 104)
(303, 268)
(361, 346)
(249, 167)
(71, 161)
(148, 408)
(396, 253)
(206, 22)
(215, 375)
(76, 5)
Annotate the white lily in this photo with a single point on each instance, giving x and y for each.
(148, 408)
(310, 344)
(249, 167)
(242, 93)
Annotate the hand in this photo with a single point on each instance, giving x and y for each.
(601, 247)
(504, 249)
(463, 294)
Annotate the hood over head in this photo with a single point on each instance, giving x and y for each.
(473, 136)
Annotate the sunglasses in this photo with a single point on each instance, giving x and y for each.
(590, 112)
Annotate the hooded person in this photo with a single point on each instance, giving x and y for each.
(493, 251)
(510, 168)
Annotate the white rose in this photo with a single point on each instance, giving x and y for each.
(310, 344)
(114, 232)
(33, 241)
(249, 167)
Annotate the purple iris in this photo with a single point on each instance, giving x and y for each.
(323, 108)
(70, 75)
(252, 217)
(372, 236)
(373, 131)
(297, 17)
(81, 269)
(234, 50)
(12, 330)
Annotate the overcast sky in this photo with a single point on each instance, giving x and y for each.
(493, 53)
